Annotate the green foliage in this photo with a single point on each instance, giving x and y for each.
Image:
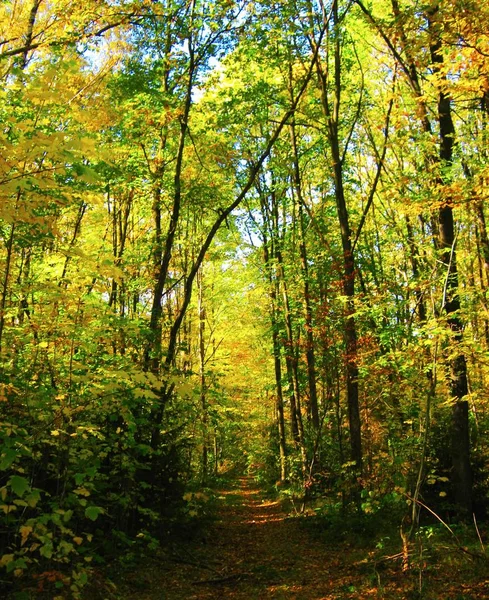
(332, 523)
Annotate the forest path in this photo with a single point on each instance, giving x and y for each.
(255, 551)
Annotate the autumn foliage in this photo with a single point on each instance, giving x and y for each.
(237, 235)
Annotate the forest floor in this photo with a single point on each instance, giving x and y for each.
(255, 550)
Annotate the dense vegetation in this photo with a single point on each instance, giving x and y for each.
(238, 234)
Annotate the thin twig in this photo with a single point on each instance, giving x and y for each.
(459, 545)
(234, 576)
(478, 533)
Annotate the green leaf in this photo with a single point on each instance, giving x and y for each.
(20, 563)
(65, 547)
(19, 485)
(82, 578)
(67, 516)
(79, 477)
(46, 550)
(33, 498)
(92, 512)
(7, 459)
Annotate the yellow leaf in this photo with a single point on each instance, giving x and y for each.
(25, 531)
(55, 432)
(78, 540)
(81, 491)
(6, 559)
(185, 389)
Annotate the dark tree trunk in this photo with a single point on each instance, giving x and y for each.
(461, 474)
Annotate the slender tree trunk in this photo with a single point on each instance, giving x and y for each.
(30, 31)
(413, 255)
(461, 468)
(6, 276)
(279, 401)
(76, 230)
(164, 252)
(291, 355)
(332, 114)
(483, 257)
(279, 404)
(22, 281)
(216, 453)
(443, 235)
(310, 354)
(203, 383)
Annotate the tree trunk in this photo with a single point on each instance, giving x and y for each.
(203, 384)
(332, 114)
(413, 256)
(313, 411)
(279, 404)
(461, 474)
(6, 276)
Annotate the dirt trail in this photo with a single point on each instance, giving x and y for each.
(253, 552)
(256, 552)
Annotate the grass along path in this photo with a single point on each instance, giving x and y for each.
(255, 551)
